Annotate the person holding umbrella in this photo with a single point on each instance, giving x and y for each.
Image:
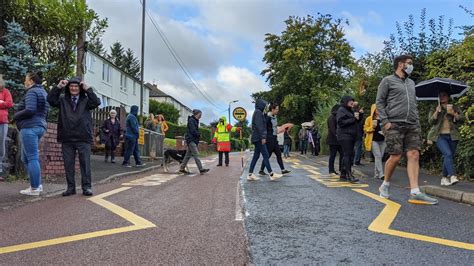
(445, 119)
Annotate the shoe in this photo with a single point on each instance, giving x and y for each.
(219, 165)
(69, 192)
(87, 192)
(275, 177)
(262, 173)
(334, 174)
(203, 171)
(113, 161)
(357, 163)
(183, 171)
(252, 177)
(445, 181)
(127, 165)
(384, 191)
(140, 164)
(30, 191)
(422, 198)
(227, 165)
(454, 179)
(285, 172)
(353, 179)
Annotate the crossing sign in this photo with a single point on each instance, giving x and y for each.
(239, 114)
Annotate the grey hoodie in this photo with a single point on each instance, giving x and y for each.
(396, 100)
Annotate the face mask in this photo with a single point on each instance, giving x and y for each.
(408, 69)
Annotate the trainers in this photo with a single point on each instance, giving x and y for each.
(252, 177)
(127, 165)
(285, 172)
(384, 191)
(445, 181)
(333, 174)
(140, 164)
(422, 198)
(275, 177)
(183, 171)
(203, 171)
(262, 173)
(31, 191)
(454, 179)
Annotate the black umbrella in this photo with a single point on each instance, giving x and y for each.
(429, 89)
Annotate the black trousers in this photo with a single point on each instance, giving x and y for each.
(69, 156)
(226, 153)
(348, 150)
(333, 150)
(273, 147)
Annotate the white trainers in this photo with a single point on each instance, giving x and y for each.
(275, 177)
(252, 177)
(454, 179)
(445, 181)
(31, 191)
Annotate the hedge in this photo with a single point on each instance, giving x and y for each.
(237, 144)
(176, 130)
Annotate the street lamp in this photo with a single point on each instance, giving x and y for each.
(230, 122)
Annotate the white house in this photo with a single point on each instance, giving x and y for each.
(158, 95)
(113, 86)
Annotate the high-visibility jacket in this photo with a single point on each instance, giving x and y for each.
(222, 135)
(369, 129)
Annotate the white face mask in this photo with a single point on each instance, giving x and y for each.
(408, 69)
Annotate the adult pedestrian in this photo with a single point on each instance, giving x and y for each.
(347, 126)
(75, 100)
(375, 140)
(132, 132)
(303, 137)
(286, 143)
(31, 121)
(259, 140)
(149, 122)
(334, 146)
(111, 135)
(161, 125)
(6, 102)
(396, 104)
(272, 139)
(192, 140)
(222, 139)
(445, 120)
(360, 134)
(315, 141)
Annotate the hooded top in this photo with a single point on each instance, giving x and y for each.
(192, 133)
(332, 126)
(74, 125)
(222, 135)
(346, 122)
(132, 127)
(259, 128)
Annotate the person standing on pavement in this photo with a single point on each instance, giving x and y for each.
(192, 140)
(303, 137)
(347, 126)
(111, 135)
(132, 133)
(445, 120)
(334, 146)
(161, 126)
(396, 104)
(360, 134)
(272, 139)
(375, 140)
(75, 100)
(30, 119)
(259, 140)
(6, 102)
(222, 139)
(315, 141)
(286, 143)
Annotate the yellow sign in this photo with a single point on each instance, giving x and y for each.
(239, 114)
(141, 137)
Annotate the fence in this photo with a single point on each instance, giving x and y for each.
(153, 144)
(102, 114)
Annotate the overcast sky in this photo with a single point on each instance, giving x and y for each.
(221, 42)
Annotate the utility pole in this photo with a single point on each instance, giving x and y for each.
(142, 72)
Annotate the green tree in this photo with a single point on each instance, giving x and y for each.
(95, 35)
(308, 64)
(131, 64)
(117, 54)
(168, 110)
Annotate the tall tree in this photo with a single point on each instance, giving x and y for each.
(131, 64)
(117, 54)
(95, 35)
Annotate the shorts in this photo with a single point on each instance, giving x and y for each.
(402, 137)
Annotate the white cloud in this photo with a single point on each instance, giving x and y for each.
(357, 35)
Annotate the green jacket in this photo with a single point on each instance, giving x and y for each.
(437, 124)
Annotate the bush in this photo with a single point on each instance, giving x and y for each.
(175, 130)
(238, 144)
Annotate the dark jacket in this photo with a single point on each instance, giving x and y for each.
(332, 126)
(33, 110)
(286, 138)
(74, 126)
(360, 125)
(132, 128)
(112, 137)
(259, 128)
(347, 124)
(192, 134)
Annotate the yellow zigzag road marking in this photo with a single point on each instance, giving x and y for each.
(138, 224)
(382, 223)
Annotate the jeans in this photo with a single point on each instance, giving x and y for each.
(447, 147)
(30, 138)
(3, 138)
(192, 151)
(286, 150)
(348, 150)
(303, 146)
(378, 149)
(131, 147)
(273, 147)
(333, 150)
(69, 156)
(224, 154)
(357, 151)
(260, 149)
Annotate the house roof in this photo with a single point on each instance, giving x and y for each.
(157, 93)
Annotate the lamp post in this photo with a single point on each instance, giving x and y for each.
(230, 122)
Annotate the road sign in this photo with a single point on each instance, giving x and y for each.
(239, 114)
(141, 137)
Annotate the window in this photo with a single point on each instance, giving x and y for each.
(123, 83)
(90, 59)
(106, 73)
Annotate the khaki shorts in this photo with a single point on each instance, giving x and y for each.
(402, 137)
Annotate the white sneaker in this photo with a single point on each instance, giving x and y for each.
(31, 192)
(275, 177)
(454, 179)
(445, 181)
(252, 177)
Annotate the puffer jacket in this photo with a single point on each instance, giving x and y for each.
(347, 124)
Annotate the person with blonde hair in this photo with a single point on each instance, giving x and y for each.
(6, 102)
(161, 126)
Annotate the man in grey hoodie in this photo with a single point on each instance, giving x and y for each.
(396, 104)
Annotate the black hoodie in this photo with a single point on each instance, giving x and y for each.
(347, 124)
(74, 125)
(332, 126)
(259, 125)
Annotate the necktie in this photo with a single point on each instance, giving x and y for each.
(74, 103)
